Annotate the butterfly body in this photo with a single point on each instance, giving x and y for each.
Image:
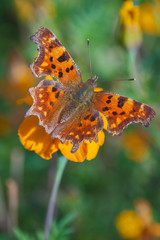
(71, 110)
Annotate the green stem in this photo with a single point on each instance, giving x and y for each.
(52, 202)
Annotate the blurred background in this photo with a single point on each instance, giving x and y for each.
(116, 195)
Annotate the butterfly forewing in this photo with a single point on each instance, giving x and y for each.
(54, 60)
(121, 111)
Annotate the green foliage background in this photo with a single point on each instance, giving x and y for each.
(100, 189)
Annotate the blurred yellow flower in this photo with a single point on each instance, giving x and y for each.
(138, 19)
(30, 10)
(138, 224)
(136, 145)
(14, 86)
(129, 13)
(149, 18)
(129, 224)
(18, 80)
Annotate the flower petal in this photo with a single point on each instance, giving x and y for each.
(154, 229)
(78, 156)
(129, 13)
(34, 138)
(87, 150)
(129, 225)
(93, 147)
(149, 18)
(98, 89)
(27, 99)
(105, 123)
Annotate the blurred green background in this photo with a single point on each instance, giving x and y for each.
(126, 167)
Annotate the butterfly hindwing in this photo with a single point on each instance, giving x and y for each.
(80, 127)
(121, 111)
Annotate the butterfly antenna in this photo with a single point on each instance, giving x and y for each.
(128, 79)
(90, 65)
(119, 80)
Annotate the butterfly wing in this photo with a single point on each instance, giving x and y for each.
(49, 98)
(121, 111)
(80, 127)
(54, 60)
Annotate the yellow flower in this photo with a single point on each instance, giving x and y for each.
(138, 224)
(30, 10)
(138, 19)
(136, 145)
(35, 138)
(18, 80)
(129, 13)
(149, 18)
(129, 225)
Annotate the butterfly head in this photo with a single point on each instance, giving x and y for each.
(93, 81)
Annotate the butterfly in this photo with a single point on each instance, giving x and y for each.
(70, 109)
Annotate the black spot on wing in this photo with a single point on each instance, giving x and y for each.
(109, 97)
(63, 57)
(71, 68)
(50, 47)
(60, 74)
(85, 118)
(105, 109)
(122, 113)
(57, 95)
(53, 66)
(121, 101)
(54, 89)
(114, 113)
(92, 119)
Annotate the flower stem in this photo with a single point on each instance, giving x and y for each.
(52, 202)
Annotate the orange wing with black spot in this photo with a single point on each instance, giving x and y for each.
(80, 127)
(49, 98)
(54, 60)
(121, 111)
